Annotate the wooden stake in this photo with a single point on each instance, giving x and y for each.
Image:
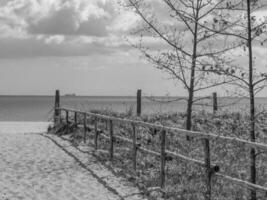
(134, 147)
(84, 127)
(75, 119)
(215, 104)
(67, 121)
(138, 103)
(57, 106)
(106, 122)
(163, 159)
(111, 139)
(206, 144)
(96, 134)
(60, 119)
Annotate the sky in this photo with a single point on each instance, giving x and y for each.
(77, 46)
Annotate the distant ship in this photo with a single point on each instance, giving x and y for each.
(70, 95)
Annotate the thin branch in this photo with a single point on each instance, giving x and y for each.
(156, 30)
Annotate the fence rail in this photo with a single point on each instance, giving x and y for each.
(211, 169)
(195, 134)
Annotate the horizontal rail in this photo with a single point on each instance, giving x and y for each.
(170, 153)
(123, 139)
(200, 163)
(104, 136)
(241, 182)
(196, 134)
(177, 155)
(180, 156)
(154, 153)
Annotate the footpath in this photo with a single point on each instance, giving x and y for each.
(38, 166)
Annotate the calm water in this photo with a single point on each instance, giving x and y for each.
(39, 108)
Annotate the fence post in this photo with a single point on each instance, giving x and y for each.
(106, 122)
(214, 101)
(84, 127)
(75, 119)
(206, 144)
(96, 134)
(111, 139)
(139, 103)
(134, 147)
(67, 120)
(60, 119)
(57, 106)
(163, 159)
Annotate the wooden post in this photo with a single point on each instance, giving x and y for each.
(60, 119)
(138, 103)
(67, 120)
(206, 144)
(163, 159)
(106, 122)
(214, 101)
(84, 127)
(96, 134)
(134, 147)
(75, 119)
(111, 139)
(57, 106)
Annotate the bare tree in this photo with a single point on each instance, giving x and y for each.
(249, 30)
(189, 41)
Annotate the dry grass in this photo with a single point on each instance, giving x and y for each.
(185, 180)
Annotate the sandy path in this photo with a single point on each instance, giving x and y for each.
(33, 166)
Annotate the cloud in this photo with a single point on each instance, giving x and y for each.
(54, 17)
(69, 27)
(124, 23)
(59, 27)
(73, 18)
(22, 48)
(56, 39)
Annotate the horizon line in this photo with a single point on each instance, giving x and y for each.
(132, 96)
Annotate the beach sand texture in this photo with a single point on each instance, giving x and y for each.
(34, 165)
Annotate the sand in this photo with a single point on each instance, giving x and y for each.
(35, 165)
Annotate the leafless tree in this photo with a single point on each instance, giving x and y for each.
(189, 40)
(250, 30)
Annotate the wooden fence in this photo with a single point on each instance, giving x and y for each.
(210, 169)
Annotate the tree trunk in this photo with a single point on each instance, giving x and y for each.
(189, 113)
(252, 106)
(192, 76)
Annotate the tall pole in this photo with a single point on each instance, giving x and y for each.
(139, 103)
(57, 106)
(215, 103)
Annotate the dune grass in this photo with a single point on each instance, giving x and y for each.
(184, 180)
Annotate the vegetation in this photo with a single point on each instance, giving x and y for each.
(202, 26)
(249, 79)
(184, 180)
(201, 41)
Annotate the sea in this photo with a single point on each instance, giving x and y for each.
(40, 108)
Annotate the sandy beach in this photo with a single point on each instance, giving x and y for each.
(37, 166)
